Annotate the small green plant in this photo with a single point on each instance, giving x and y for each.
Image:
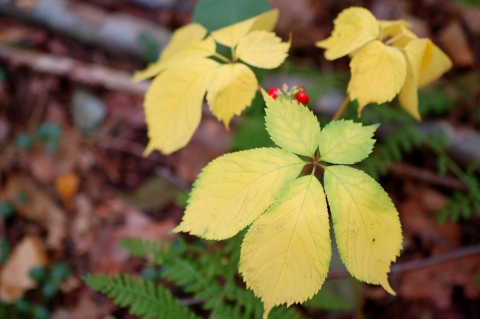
(276, 191)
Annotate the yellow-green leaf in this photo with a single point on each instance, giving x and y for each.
(378, 74)
(262, 49)
(192, 51)
(366, 224)
(346, 142)
(408, 97)
(292, 126)
(173, 104)
(434, 64)
(353, 28)
(286, 253)
(231, 35)
(233, 190)
(183, 37)
(231, 91)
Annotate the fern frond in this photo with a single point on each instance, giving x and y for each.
(143, 298)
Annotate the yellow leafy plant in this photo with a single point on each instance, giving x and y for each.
(387, 58)
(190, 66)
(286, 251)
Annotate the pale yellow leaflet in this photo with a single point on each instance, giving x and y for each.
(414, 54)
(378, 74)
(183, 37)
(353, 28)
(192, 51)
(231, 35)
(173, 104)
(231, 91)
(346, 142)
(434, 64)
(262, 49)
(286, 253)
(366, 224)
(233, 190)
(292, 126)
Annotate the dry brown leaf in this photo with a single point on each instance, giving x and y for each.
(106, 256)
(46, 167)
(435, 284)
(85, 225)
(87, 308)
(455, 43)
(37, 206)
(67, 186)
(208, 142)
(15, 277)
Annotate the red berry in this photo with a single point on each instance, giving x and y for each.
(302, 97)
(273, 92)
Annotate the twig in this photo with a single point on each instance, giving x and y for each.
(423, 263)
(341, 109)
(115, 32)
(402, 169)
(175, 180)
(89, 74)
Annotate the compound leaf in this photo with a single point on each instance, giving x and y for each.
(199, 49)
(231, 35)
(292, 126)
(366, 224)
(346, 142)
(173, 104)
(231, 91)
(262, 49)
(353, 28)
(236, 188)
(378, 74)
(286, 252)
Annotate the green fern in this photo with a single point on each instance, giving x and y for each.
(143, 298)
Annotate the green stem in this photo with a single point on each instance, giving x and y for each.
(358, 298)
(221, 57)
(341, 109)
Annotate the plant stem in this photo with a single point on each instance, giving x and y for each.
(221, 57)
(357, 295)
(341, 109)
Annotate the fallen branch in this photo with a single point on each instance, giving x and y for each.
(89, 74)
(399, 268)
(114, 32)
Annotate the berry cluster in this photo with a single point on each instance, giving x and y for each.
(298, 91)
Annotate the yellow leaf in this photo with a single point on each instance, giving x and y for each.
(231, 91)
(408, 97)
(292, 126)
(378, 74)
(231, 35)
(262, 49)
(286, 253)
(353, 28)
(15, 277)
(346, 142)
(397, 32)
(183, 37)
(233, 190)
(366, 224)
(192, 51)
(173, 104)
(434, 64)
